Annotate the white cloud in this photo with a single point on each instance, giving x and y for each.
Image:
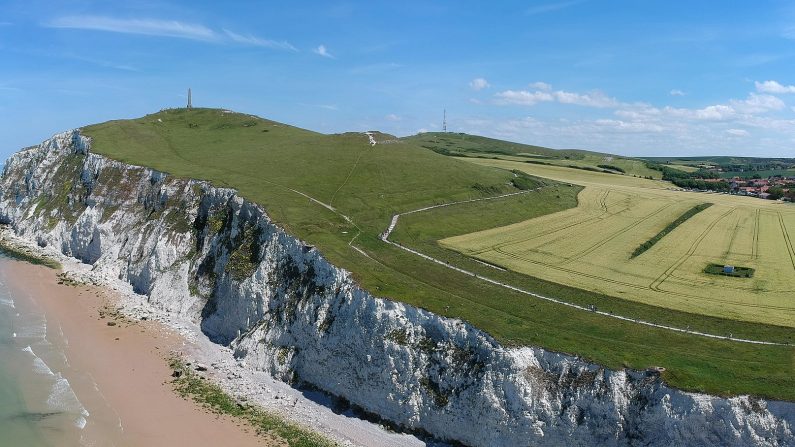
(543, 93)
(625, 126)
(149, 27)
(758, 103)
(541, 86)
(393, 117)
(163, 28)
(259, 42)
(760, 123)
(323, 51)
(773, 87)
(523, 97)
(718, 112)
(593, 99)
(677, 92)
(479, 84)
(737, 132)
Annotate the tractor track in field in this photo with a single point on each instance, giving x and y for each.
(787, 239)
(393, 223)
(599, 244)
(642, 287)
(602, 203)
(755, 246)
(655, 285)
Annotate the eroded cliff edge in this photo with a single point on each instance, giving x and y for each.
(204, 253)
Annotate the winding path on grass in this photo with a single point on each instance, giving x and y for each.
(393, 223)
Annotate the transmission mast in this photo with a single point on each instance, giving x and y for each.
(444, 121)
(190, 106)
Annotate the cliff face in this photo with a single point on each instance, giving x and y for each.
(207, 254)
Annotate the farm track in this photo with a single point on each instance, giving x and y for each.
(615, 235)
(602, 202)
(353, 168)
(787, 239)
(735, 230)
(755, 246)
(655, 285)
(393, 223)
(702, 282)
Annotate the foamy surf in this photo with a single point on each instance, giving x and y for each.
(62, 397)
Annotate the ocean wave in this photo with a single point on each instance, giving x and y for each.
(39, 365)
(62, 397)
(7, 302)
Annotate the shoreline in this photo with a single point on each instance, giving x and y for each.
(312, 410)
(117, 367)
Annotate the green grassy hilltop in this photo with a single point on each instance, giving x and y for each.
(281, 167)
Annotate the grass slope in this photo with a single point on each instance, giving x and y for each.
(262, 159)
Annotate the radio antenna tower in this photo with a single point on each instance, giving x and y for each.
(190, 106)
(444, 121)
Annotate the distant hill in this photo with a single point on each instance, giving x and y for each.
(461, 143)
(731, 166)
(268, 161)
(465, 145)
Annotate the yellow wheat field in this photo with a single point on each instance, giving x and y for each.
(589, 246)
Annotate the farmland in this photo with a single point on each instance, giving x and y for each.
(590, 246)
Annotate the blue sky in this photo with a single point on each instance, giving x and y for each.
(628, 77)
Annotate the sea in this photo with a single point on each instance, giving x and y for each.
(38, 406)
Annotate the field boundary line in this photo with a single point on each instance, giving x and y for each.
(393, 223)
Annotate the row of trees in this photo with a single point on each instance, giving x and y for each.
(777, 192)
(691, 180)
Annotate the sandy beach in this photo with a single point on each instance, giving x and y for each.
(117, 368)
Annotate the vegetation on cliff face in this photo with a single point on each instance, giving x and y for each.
(14, 251)
(191, 385)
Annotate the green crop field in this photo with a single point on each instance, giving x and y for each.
(590, 247)
(280, 166)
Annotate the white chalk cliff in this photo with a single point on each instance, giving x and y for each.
(203, 252)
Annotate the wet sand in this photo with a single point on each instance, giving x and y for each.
(119, 372)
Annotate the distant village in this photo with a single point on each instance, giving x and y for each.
(780, 186)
